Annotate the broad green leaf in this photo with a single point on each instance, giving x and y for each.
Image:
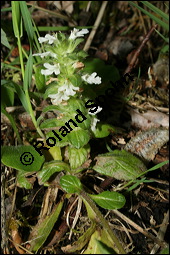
(94, 247)
(75, 80)
(78, 156)
(41, 231)
(103, 130)
(75, 104)
(39, 79)
(22, 157)
(104, 249)
(22, 181)
(28, 72)
(4, 39)
(78, 137)
(71, 184)
(59, 143)
(109, 200)
(106, 72)
(49, 168)
(54, 122)
(121, 165)
(50, 108)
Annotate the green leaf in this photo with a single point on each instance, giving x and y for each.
(28, 73)
(41, 231)
(54, 122)
(104, 249)
(7, 96)
(103, 130)
(156, 10)
(153, 17)
(22, 181)
(39, 79)
(59, 143)
(100, 243)
(78, 137)
(50, 108)
(106, 72)
(19, 91)
(75, 80)
(4, 39)
(109, 200)
(16, 18)
(121, 165)
(78, 156)
(13, 123)
(27, 20)
(49, 168)
(71, 184)
(24, 158)
(21, 96)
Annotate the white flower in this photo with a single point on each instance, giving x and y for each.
(64, 93)
(93, 124)
(58, 98)
(48, 38)
(45, 54)
(50, 69)
(90, 78)
(76, 33)
(98, 110)
(68, 89)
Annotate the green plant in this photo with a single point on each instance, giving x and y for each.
(61, 78)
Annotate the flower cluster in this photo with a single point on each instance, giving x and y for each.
(63, 61)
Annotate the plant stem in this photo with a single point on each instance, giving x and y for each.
(21, 56)
(102, 221)
(32, 114)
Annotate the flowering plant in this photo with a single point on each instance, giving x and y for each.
(62, 66)
(66, 135)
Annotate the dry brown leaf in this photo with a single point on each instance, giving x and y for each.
(148, 119)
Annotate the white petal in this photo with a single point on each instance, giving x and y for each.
(58, 98)
(76, 33)
(46, 54)
(42, 39)
(46, 72)
(51, 69)
(48, 38)
(90, 78)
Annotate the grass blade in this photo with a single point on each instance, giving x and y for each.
(156, 19)
(28, 72)
(156, 10)
(27, 20)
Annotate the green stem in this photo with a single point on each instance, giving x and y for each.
(21, 57)
(32, 114)
(102, 221)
